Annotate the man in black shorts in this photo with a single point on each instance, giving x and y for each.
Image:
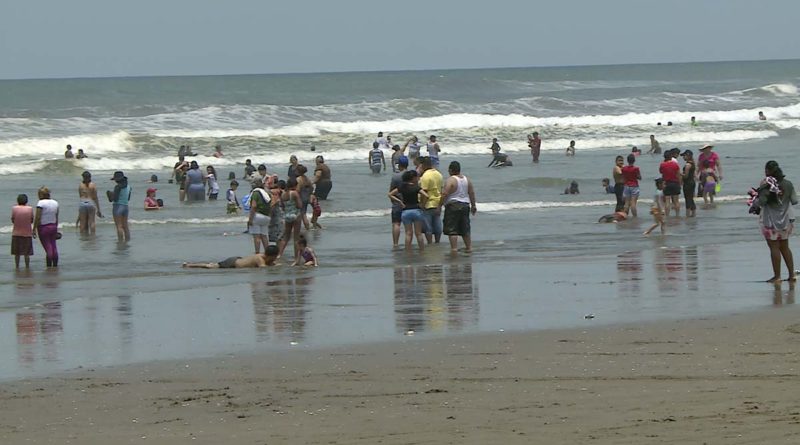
(459, 198)
(397, 209)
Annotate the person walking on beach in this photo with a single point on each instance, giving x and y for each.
(776, 196)
(258, 220)
(22, 232)
(632, 175)
(397, 207)
(658, 209)
(688, 174)
(89, 205)
(120, 198)
(671, 176)
(655, 147)
(322, 179)
(619, 183)
(433, 151)
(375, 158)
(459, 198)
(431, 182)
(45, 224)
(535, 145)
(407, 196)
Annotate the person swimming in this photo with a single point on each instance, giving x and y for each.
(572, 189)
(613, 217)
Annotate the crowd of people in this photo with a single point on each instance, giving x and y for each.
(423, 204)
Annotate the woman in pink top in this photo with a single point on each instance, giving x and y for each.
(22, 235)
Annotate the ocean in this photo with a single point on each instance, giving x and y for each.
(525, 225)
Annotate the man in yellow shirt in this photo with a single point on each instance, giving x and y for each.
(431, 182)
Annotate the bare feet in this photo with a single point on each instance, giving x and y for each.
(774, 280)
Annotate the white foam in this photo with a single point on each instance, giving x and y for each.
(92, 144)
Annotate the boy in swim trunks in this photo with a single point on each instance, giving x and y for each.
(252, 261)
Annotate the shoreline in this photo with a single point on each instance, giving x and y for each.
(720, 379)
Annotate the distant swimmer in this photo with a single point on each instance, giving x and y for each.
(607, 187)
(572, 189)
(693, 122)
(185, 150)
(669, 123)
(761, 116)
(613, 217)
(571, 149)
(81, 154)
(498, 159)
(376, 158)
(636, 151)
(655, 147)
(218, 151)
(69, 154)
(252, 261)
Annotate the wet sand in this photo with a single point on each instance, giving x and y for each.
(726, 379)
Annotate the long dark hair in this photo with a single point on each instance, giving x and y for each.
(773, 169)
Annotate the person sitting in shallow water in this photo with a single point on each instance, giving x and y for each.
(613, 217)
(498, 159)
(572, 189)
(266, 259)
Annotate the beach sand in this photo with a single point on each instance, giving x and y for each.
(721, 379)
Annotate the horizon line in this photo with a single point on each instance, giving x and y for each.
(289, 73)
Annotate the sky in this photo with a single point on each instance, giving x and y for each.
(108, 38)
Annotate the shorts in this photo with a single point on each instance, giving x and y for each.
(323, 189)
(212, 196)
(630, 191)
(232, 208)
(21, 245)
(119, 210)
(229, 263)
(397, 213)
(672, 189)
(772, 234)
(196, 192)
(456, 219)
(410, 216)
(86, 207)
(260, 224)
(376, 168)
(710, 188)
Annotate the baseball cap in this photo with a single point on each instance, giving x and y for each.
(117, 176)
(151, 190)
(687, 152)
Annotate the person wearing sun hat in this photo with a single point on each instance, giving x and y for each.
(150, 201)
(706, 154)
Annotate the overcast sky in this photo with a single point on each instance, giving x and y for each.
(91, 38)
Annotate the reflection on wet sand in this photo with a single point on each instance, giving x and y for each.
(39, 333)
(279, 307)
(783, 294)
(629, 273)
(435, 298)
(668, 266)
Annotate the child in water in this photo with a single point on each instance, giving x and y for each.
(709, 184)
(657, 210)
(233, 202)
(307, 255)
(316, 212)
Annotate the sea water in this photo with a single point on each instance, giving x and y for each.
(524, 221)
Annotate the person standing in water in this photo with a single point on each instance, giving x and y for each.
(195, 183)
(671, 177)
(433, 151)
(120, 198)
(571, 149)
(535, 144)
(431, 184)
(376, 158)
(322, 179)
(22, 232)
(397, 206)
(655, 147)
(619, 183)
(89, 205)
(689, 173)
(68, 154)
(45, 224)
(632, 175)
(459, 198)
(413, 146)
(761, 116)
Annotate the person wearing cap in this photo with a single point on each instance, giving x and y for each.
(397, 208)
(89, 204)
(671, 175)
(688, 174)
(706, 154)
(120, 199)
(150, 201)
